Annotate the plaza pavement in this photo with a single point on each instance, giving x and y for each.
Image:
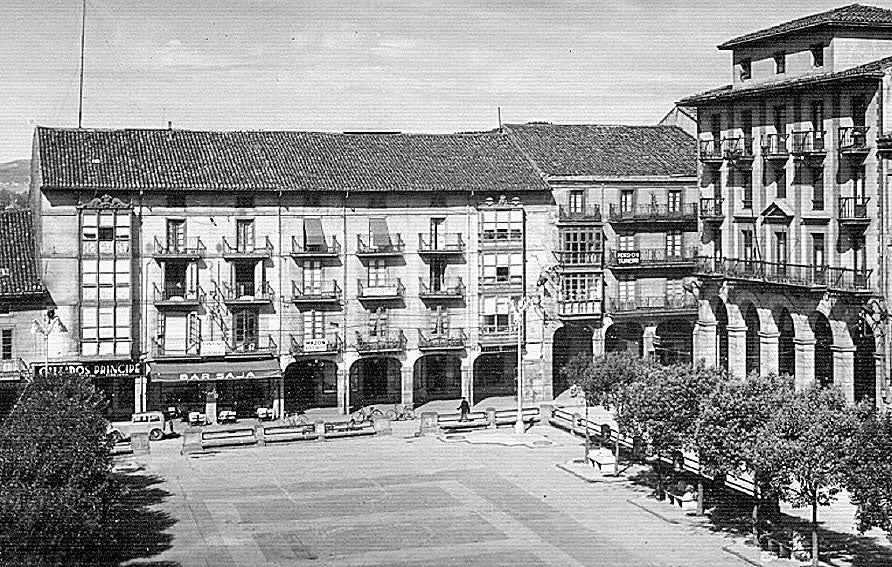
(404, 501)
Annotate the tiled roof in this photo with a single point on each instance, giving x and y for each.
(874, 69)
(610, 151)
(287, 161)
(19, 272)
(846, 16)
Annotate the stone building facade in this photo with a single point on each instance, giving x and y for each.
(793, 204)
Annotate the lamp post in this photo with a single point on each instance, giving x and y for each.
(46, 328)
(521, 305)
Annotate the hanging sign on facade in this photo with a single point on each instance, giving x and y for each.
(315, 345)
(103, 369)
(628, 257)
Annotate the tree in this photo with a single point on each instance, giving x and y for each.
(812, 432)
(868, 470)
(734, 434)
(664, 407)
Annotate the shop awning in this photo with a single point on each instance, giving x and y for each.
(380, 232)
(313, 235)
(214, 370)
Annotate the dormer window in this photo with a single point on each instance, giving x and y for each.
(817, 55)
(746, 69)
(780, 62)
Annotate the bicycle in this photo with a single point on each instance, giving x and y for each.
(366, 414)
(298, 418)
(400, 412)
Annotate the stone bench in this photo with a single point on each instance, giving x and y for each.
(228, 437)
(284, 433)
(349, 429)
(509, 417)
(687, 501)
(601, 458)
(453, 422)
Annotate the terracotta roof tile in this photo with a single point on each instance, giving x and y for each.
(19, 272)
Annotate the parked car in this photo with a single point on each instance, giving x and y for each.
(152, 421)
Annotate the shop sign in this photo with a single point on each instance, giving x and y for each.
(204, 376)
(380, 291)
(628, 257)
(213, 348)
(99, 369)
(315, 345)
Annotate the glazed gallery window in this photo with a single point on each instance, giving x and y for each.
(674, 244)
(312, 277)
(438, 320)
(583, 245)
(578, 287)
(105, 282)
(6, 344)
(502, 225)
(314, 324)
(502, 268)
(245, 327)
(497, 314)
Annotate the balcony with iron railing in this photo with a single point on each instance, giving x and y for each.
(381, 289)
(451, 339)
(330, 248)
(853, 212)
(366, 245)
(178, 296)
(254, 346)
(189, 249)
(492, 335)
(738, 148)
(247, 293)
(775, 147)
(322, 292)
(12, 368)
(653, 304)
(711, 209)
(440, 244)
(259, 346)
(330, 344)
(385, 341)
(677, 212)
(568, 260)
(447, 288)
(586, 213)
(653, 258)
(710, 150)
(853, 140)
(807, 277)
(259, 249)
(808, 143)
(578, 306)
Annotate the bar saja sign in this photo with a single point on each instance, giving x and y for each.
(122, 369)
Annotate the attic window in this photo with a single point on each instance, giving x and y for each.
(4, 272)
(780, 62)
(746, 69)
(817, 55)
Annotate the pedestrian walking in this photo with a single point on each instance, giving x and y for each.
(464, 408)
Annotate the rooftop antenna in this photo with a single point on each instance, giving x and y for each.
(80, 99)
(499, 111)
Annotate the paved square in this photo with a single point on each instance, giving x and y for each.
(400, 501)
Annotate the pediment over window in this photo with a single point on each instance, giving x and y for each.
(778, 212)
(105, 201)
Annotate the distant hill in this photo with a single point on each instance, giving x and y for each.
(15, 177)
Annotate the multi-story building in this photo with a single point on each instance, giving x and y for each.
(23, 302)
(626, 218)
(295, 269)
(793, 211)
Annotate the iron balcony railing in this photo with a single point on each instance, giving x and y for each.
(260, 248)
(809, 276)
(576, 258)
(709, 266)
(11, 368)
(248, 292)
(587, 212)
(775, 146)
(808, 142)
(452, 338)
(381, 289)
(849, 280)
(853, 209)
(365, 245)
(254, 345)
(330, 343)
(679, 302)
(258, 345)
(654, 212)
(173, 293)
(498, 334)
(380, 342)
(326, 291)
(448, 243)
(853, 138)
(189, 248)
(652, 257)
(448, 287)
(574, 306)
(710, 150)
(330, 247)
(711, 208)
(736, 148)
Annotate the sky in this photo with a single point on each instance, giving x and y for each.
(339, 65)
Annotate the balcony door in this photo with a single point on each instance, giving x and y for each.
(246, 329)
(243, 278)
(176, 235)
(378, 323)
(244, 235)
(674, 244)
(438, 233)
(377, 272)
(175, 284)
(674, 205)
(438, 274)
(626, 200)
(438, 321)
(576, 202)
(312, 277)
(780, 251)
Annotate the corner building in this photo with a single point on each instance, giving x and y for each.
(295, 269)
(794, 213)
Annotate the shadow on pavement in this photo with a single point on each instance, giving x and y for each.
(141, 532)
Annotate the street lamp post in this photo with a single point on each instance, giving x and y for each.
(518, 425)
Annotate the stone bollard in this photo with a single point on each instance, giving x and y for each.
(382, 425)
(430, 423)
(491, 418)
(575, 425)
(191, 441)
(139, 443)
(546, 412)
(259, 436)
(320, 431)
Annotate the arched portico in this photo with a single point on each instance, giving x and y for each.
(753, 341)
(495, 374)
(375, 380)
(865, 385)
(674, 342)
(625, 337)
(786, 347)
(310, 383)
(437, 377)
(568, 341)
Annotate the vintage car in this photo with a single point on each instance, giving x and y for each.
(151, 421)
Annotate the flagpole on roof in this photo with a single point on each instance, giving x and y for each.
(80, 98)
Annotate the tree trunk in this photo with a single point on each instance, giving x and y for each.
(659, 470)
(700, 496)
(757, 496)
(814, 530)
(588, 442)
(616, 454)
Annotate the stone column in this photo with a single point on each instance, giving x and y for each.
(768, 352)
(279, 396)
(844, 370)
(467, 377)
(210, 404)
(706, 343)
(598, 341)
(344, 401)
(139, 393)
(737, 350)
(408, 380)
(805, 362)
(649, 337)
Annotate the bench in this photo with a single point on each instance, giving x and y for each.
(601, 458)
(349, 429)
(282, 433)
(453, 422)
(228, 437)
(687, 501)
(509, 417)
